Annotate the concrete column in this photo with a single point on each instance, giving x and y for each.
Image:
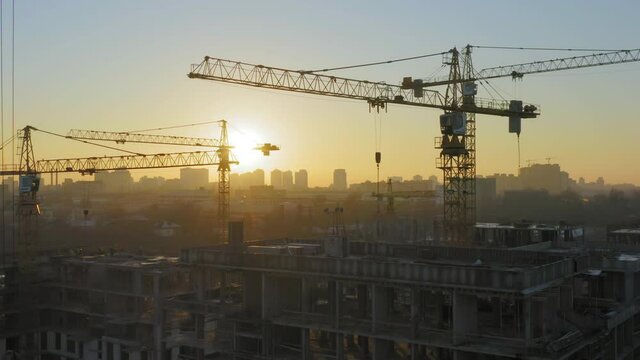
(363, 343)
(382, 349)
(415, 312)
(338, 301)
(527, 319)
(463, 355)
(199, 324)
(339, 346)
(628, 287)
(306, 353)
(158, 319)
(269, 296)
(331, 297)
(380, 313)
(362, 301)
(496, 311)
(137, 283)
(465, 316)
(305, 295)
(198, 283)
(380, 304)
(415, 352)
(252, 294)
(435, 306)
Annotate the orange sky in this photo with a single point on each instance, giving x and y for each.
(122, 66)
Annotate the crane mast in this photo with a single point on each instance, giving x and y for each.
(224, 187)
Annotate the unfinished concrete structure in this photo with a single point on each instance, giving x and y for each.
(388, 301)
(89, 307)
(326, 299)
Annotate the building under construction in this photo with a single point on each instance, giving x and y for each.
(326, 299)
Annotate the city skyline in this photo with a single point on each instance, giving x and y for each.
(549, 176)
(143, 83)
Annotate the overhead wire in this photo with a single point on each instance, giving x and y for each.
(376, 63)
(7, 141)
(89, 142)
(13, 121)
(2, 199)
(173, 127)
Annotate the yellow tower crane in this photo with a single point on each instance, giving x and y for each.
(223, 152)
(457, 158)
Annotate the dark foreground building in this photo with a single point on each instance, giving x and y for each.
(332, 299)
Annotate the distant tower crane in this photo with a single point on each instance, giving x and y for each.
(223, 150)
(29, 171)
(458, 144)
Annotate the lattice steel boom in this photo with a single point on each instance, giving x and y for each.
(375, 93)
(519, 70)
(124, 137)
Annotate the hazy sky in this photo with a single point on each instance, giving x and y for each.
(122, 65)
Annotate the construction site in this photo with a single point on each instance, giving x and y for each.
(333, 274)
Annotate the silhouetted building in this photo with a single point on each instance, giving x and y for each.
(192, 179)
(151, 183)
(544, 176)
(287, 180)
(118, 181)
(485, 192)
(339, 179)
(247, 180)
(302, 179)
(506, 182)
(276, 179)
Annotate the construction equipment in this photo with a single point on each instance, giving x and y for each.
(267, 148)
(225, 156)
(458, 145)
(29, 171)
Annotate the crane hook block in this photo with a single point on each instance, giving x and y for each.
(378, 157)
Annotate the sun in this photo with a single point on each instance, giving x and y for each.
(244, 149)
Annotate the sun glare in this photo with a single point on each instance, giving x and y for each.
(244, 150)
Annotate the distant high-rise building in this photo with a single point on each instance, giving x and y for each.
(485, 191)
(276, 179)
(544, 176)
(192, 179)
(115, 181)
(339, 179)
(287, 180)
(150, 183)
(395, 179)
(600, 181)
(434, 179)
(258, 177)
(417, 178)
(302, 179)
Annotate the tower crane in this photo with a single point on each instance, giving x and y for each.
(29, 171)
(223, 150)
(458, 144)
